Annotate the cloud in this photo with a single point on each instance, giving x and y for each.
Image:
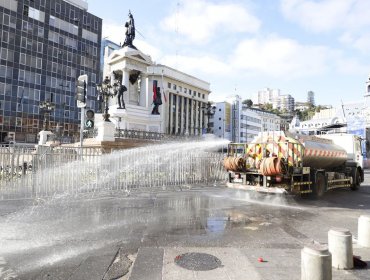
(197, 64)
(200, 20)
(113, 32)
(359, 42)
(280, 57)
(271, 57)
(350, 17)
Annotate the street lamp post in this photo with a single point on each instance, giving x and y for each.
(47, 107)
(64, 87)
(106, 90)
(209, 111)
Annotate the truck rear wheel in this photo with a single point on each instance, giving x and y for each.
(319, 187)
(356, 177)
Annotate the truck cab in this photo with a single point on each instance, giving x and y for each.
(350, 143)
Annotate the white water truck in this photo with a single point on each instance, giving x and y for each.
(280, 162)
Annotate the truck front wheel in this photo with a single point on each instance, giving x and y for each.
(356, 177)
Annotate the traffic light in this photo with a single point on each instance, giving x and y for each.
(81, 90)
(89, 121)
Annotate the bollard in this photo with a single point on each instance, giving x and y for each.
(364, 231)
(340, 247)
(315, 263)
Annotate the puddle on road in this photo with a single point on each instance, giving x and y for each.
(65, 228)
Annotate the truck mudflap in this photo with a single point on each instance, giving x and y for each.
(261, 189)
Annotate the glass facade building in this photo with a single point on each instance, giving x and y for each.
(45, 45)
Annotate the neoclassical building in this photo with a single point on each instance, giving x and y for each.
(184, 97)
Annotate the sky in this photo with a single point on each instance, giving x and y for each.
(243, 46)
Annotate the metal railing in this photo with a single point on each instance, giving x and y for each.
(49, 171)
(151, 135)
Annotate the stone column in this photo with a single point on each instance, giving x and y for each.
(182, 118)
(170, 115)
(191, 125)
(186, 117)
(177, 113)
(196, 117)
(143, 90)
(126, 82)
(201, 117)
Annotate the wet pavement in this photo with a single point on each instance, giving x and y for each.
(143, 236)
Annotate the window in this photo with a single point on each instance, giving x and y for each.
(38, 79)
(72, 14)
(40, 31)
(61, 40)
(38, 63)
(5, 37)
(9, 4)
(39, 47)
(4, 53)
(52, 21)
(169, 85)
(25, 10)
(96, 25)
(88, 35)
(22, 58)
(58, 8)
(21, 75)
(33, 13)
(93, 78)
(13, 22)
(53, 82)
(54, 68)
(6, 20)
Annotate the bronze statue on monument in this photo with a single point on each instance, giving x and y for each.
(130, 31)
(121, 102)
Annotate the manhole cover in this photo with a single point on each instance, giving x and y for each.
(197, 261)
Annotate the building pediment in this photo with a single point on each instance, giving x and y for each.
(127, 53)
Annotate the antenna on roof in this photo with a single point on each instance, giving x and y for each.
(344, 113)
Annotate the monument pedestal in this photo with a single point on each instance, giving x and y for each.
(106, 131)
(44, 136)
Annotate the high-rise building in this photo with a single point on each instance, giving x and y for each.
(107, 47)
(267, 95)
(286, 103)
(311, 98)
(45, 46)
(236, 122)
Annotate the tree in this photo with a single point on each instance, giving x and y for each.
(267, 107)
(248, 102)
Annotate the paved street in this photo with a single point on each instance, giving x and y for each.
(107, 235)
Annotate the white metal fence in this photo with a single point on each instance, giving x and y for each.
(50, 171)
